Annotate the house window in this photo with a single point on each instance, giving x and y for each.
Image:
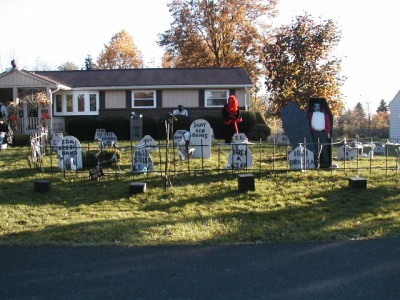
(143, 99)
(70, 103)
(78, 103)
(93, 102)
(216, 98)
(81, 102)
(58, 103)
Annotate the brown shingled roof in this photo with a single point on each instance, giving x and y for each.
(151, 77)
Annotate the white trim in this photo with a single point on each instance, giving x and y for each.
(144, 91)
(162, 87)
(75, 107)
(215, 90)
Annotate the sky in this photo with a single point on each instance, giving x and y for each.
(51, 32)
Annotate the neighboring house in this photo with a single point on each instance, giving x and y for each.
(150, 92)
(394, 129)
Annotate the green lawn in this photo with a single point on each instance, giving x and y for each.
(203, 205)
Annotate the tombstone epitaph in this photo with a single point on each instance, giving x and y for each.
(108, 139)
(69, 153)
(200, 136)
(141, 161)
(240, 156)
(301, 159)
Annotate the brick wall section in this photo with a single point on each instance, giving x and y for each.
(194, 113)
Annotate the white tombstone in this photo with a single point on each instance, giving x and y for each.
(54, 140)
(240, 157)
(301, 159)
(239, 138)
(141, 161)
(69, 153)
(108, 139)
(200, 136)
(149, 142)
(346, 152)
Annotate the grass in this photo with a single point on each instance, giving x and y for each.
(198, 208)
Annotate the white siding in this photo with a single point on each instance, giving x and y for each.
(187, 98)
(115, 99)
(394, 107)
(18, 79)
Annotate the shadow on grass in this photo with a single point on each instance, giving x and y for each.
(335, 214)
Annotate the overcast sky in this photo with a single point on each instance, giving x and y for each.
(55, 31)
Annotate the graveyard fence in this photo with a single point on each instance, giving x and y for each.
(257, 158)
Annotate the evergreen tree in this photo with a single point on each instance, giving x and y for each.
(382, 107)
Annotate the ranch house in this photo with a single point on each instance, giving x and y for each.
(150, 92)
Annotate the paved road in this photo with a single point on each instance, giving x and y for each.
(337, 270)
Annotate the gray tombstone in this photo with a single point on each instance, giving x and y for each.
(98, 134)
(200, 132)
(296, 126)
(141, 161)
(108, 139)
(301, 159)
(136, 127)
(178, 136)
(149, 142)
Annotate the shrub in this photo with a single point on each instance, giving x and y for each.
(89, 159)
(83, 128)
(20, 139)
(150, 127)
(217, 124)
(248, 122)
(119, 125)
(259, 131)
(259, 118)
(182, 123)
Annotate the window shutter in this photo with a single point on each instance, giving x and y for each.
(102, 99)
(128, 99)
(159, 102)
(201, 98)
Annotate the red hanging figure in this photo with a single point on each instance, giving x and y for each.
(231, 115)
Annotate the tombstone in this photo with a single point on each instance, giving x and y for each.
(296, 126)
(301, 158)
(149, 142)
(178, 136)
(200, 136)
(282, 139)
(240, 156)
(183, 146)
(69, 153)
(136, 127)
(141, 161)
(108, 139)
(99, 133)
(54, 140)
(379, 149)
(239, 138)
(346, 152)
